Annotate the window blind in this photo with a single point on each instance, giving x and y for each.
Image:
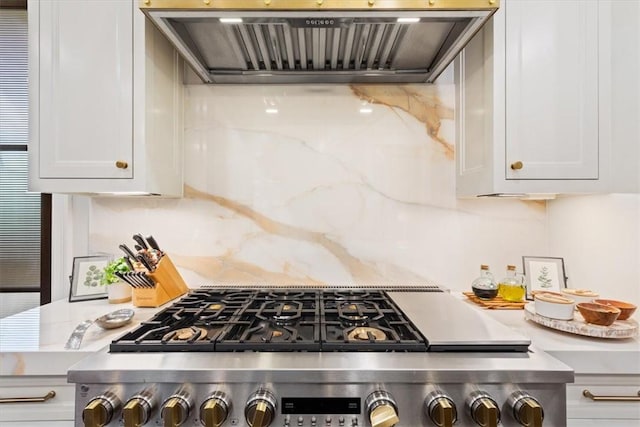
(19, 209)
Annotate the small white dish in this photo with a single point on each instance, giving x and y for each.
(580, 295)
(554, 306)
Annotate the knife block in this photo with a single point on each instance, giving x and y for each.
(169, 284)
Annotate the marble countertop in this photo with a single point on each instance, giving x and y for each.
(32, 342)
(586, 355)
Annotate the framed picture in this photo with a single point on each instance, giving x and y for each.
(86, 278)
(544, 274)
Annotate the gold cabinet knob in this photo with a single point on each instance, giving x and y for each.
(441, 409)
(175, 412)
(121, 164)
(214, 410)
(384, 416)
(484, 410)
(517, 165)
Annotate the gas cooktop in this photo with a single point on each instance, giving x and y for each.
(224, 320)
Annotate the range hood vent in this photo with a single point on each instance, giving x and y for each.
(319, 41)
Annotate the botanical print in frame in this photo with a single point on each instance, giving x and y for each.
(543, 274)
(86, 278)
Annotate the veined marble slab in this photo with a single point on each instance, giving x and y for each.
(323, 185)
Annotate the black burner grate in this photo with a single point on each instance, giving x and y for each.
(223, 320)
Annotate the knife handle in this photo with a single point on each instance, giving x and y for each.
(127, 251)
(144, 261)
(141, 241)
(153, 243)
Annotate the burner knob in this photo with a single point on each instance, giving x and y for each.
(137, 410)
(99, 411)
(214, 410)
(441, 409)
(526, 409)
(175, 410)
(484, 410)
(260, 409)
(382, 409)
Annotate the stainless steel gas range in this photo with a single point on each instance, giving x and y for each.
(342, 357)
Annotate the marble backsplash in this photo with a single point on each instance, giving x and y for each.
(324, 185)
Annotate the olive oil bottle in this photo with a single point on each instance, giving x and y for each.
(511, 287)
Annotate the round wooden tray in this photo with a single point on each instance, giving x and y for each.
(619, 329)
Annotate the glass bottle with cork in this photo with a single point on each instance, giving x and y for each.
(511, 287)
(484, 286)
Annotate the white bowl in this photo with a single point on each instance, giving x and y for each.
(580, 295)
(554, 305)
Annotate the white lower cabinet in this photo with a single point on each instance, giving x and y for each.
(582, 411)
(57, 411)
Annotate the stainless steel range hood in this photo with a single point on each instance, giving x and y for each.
(319, 41)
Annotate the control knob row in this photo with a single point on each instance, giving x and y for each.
(260, 409)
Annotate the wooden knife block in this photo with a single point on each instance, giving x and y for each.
(169, 285)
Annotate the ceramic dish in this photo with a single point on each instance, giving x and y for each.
(553, 305)
(580, 295)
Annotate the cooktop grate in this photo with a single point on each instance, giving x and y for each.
(276, 319)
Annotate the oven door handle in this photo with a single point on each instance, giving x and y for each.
(44, 398)
(588, 394)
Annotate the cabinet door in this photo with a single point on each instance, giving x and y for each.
(58, 409)
(581, 407)
(620, 90)
(86, 88)
(552, 89)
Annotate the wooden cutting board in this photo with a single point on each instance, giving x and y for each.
(496, 303)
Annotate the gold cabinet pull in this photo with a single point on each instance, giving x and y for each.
(517, 165)
(121, 164)
(588, 394)
(44, 398)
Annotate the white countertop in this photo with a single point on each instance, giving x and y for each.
(32, 342)
(586, 355)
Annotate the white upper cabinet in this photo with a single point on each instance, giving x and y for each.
(86, 89)
(552, 89)
(534, 103)
(620, 90)
(105, 100)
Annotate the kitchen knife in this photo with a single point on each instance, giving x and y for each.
(144, 261)
(125, 277)
(138, 248)
(141, 241)
(129, 263)
(148, 280)
(138, 277)
(127, 251)
(153, 243)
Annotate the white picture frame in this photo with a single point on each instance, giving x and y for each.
(543, 274)
(86, 283)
